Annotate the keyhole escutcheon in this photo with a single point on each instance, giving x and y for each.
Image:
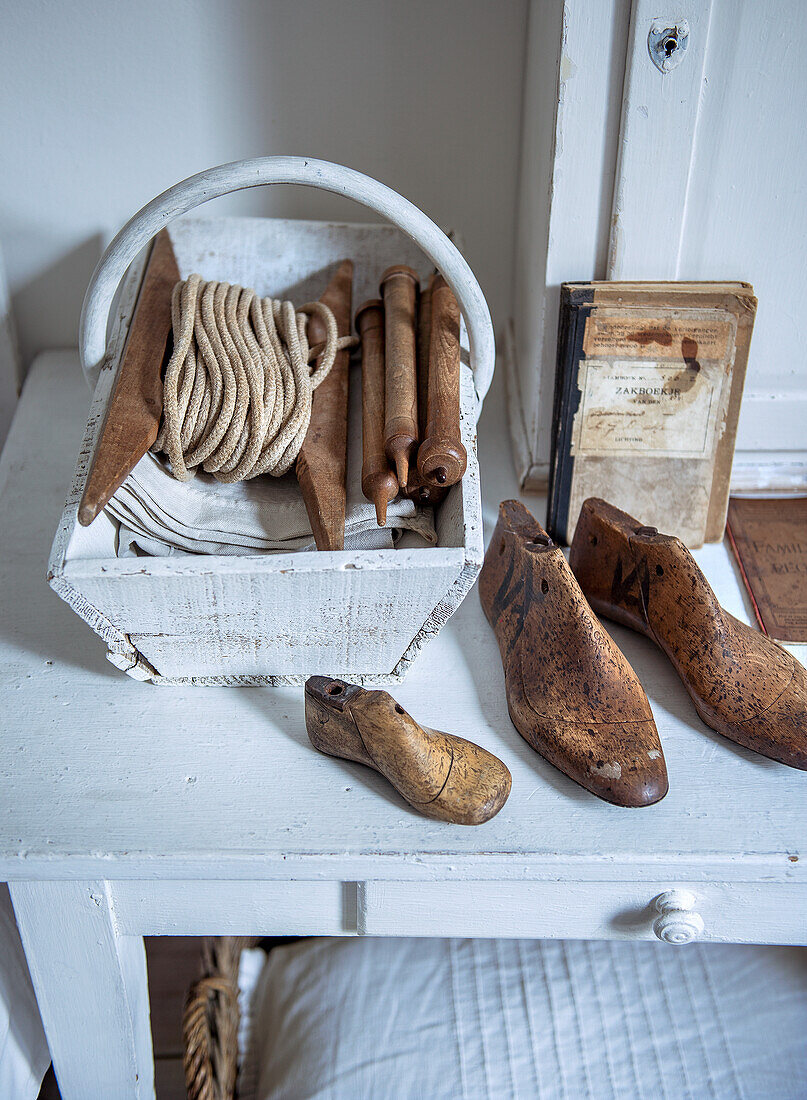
(667, 43)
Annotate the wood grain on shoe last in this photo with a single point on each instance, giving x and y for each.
(742, 683)
(570, 692)
(321, 465)
(442, 776)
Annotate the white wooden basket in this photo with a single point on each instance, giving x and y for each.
(272, 618)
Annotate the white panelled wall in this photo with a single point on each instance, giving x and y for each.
(746, 217)
(699, 173)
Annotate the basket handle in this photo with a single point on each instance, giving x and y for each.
(255, 172)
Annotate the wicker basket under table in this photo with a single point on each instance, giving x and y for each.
(210, 1022)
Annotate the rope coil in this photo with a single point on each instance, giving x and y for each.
(238, 386)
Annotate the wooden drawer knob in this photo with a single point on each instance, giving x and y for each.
(677, 921)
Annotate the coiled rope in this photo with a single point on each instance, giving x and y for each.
(238, 386)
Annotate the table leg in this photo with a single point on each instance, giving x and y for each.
(91, 986)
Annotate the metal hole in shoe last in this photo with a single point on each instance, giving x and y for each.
(540, 542)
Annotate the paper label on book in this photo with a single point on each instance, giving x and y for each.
(650, 384)
(649, 421)
(648, 407)
(687, 337)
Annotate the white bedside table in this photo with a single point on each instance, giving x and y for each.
(128, 809)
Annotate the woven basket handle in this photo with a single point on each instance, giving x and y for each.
(240, 174)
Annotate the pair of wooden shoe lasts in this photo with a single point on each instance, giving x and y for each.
(571, 693)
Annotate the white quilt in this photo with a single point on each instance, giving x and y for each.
(370, 1019)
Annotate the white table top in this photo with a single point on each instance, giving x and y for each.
(104, 776)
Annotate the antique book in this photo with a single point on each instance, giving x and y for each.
(647, 396)
(769, 538)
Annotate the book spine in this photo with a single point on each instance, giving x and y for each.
(575, 308)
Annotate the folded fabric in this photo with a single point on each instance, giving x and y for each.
(160, 516)
(364, 1019)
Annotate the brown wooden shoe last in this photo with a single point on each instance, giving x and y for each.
(743, 684)
(443, 776)
(570, 692)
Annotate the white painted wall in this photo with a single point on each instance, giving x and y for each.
(105, 104)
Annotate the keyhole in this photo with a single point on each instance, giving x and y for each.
(667, 44)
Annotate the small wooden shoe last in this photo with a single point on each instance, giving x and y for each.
(442, 776)
(742, 683)
(570, 692)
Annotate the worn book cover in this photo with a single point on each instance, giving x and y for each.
(647, 397)
(769, 538)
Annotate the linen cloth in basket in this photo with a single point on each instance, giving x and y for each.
(161, 516)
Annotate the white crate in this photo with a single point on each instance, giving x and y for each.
(273, 618)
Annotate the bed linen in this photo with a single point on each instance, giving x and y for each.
(451, 1019)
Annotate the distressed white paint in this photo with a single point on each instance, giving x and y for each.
(251, 907)
(570, 121)
(199, 811)
(628, 910)
(656, 145)
(103, 776)
(271, 618)
(91, 988)
(726, 913)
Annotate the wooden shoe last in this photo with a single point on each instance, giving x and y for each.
(570, 692)
(442, 776)
(742, 683)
